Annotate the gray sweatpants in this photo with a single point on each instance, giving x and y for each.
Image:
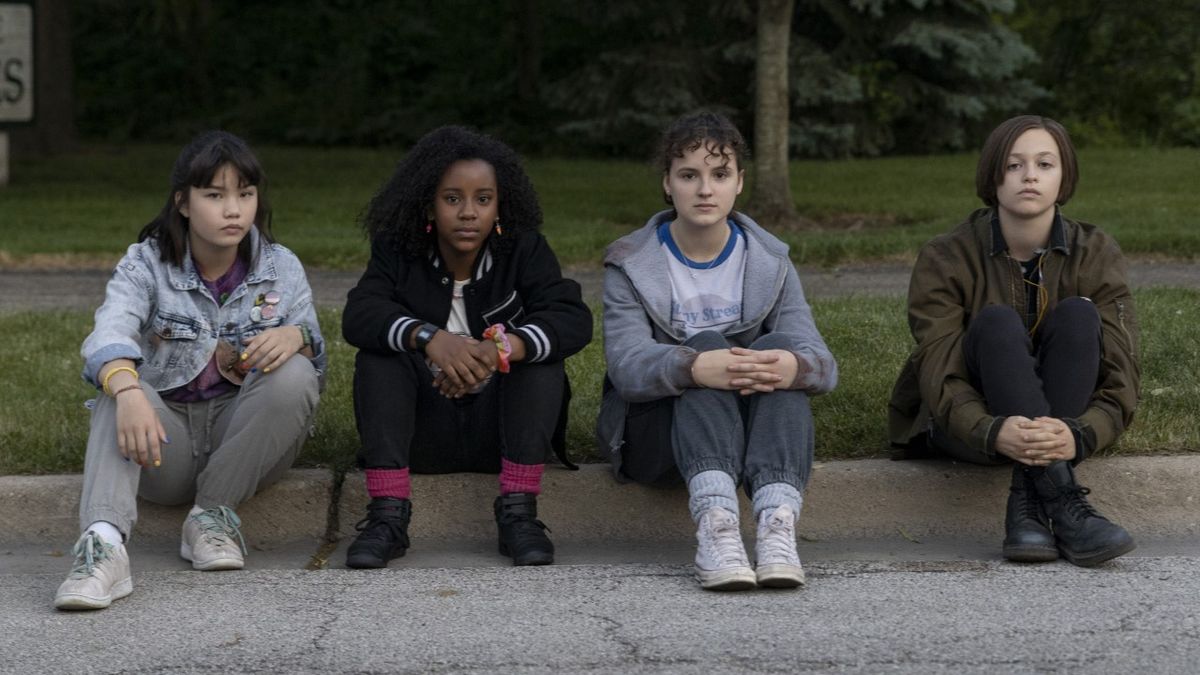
(222, 451)
(759, 439)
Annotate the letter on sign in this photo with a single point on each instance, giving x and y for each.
(16, 62)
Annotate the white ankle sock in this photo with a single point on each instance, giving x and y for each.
(195, 510)
(108, 532)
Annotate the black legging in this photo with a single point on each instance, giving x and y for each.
(404, 422)
(1052, 374)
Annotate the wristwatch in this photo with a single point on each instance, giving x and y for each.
(424, 334)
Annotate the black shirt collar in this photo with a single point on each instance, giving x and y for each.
(1058, 234)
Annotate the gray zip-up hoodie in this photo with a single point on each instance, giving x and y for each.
(646, 360)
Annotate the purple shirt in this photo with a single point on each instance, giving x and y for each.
(210, 383)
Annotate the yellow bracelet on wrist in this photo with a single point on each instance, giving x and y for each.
(114, 371)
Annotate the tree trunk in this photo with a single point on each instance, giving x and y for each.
(772, 199)
(53, 128)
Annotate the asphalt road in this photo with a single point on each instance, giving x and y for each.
(901, 606)
(1137, 614)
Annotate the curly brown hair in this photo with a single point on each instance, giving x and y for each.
(712, 130)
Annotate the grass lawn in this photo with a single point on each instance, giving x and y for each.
(44, 425)
(86, 208)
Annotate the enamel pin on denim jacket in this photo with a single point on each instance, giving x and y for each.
(164, 318)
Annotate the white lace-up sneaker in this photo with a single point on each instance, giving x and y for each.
(721, 562)
(99, 576)
(212, 540)
(778, 564)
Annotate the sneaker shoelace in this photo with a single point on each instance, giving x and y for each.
(89, 551)
(727, 541)
(221, 524)
(779, 543)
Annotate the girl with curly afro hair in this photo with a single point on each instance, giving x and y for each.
(462, 320)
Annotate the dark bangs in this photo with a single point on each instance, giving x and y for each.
(197, 166)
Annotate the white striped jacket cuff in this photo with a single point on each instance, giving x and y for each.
(395, 338)
(537, 345)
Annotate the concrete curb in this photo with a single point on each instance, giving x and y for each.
(1154, 497)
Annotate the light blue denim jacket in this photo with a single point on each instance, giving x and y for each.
(164, 318)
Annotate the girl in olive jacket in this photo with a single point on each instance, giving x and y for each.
(1026, 345)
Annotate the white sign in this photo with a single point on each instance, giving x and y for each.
(16, 62)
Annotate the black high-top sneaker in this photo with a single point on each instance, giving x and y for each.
(1027, 536)
(1085, 537)
(382, 535)
(522, 535)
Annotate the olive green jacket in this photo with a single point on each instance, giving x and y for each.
(959, 273)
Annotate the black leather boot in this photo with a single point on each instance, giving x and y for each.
(522, 535)
(1027, 536)
(383, 534)
(1084, 537)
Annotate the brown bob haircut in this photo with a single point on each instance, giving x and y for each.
(990, 172)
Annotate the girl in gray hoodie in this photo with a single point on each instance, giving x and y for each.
(712, 356)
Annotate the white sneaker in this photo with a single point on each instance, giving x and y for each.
(100, 575)
(209, 540)
(721, 562)
(775, 551)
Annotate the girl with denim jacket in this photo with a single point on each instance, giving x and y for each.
(712, 356)
(209, 359)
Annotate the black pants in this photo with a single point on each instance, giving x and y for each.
(1051, 375)
(404, 422)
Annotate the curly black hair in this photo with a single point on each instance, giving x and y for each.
(399, 211)
(688, 132)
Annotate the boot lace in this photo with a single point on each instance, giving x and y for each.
(220, 524)
(1031, 508)
(383, 524)
(1075, 501)
(89, 551)
(524, 530)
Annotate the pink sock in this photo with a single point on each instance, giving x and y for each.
(389, 483)
(526, 478)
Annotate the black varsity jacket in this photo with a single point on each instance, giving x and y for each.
(523, 289)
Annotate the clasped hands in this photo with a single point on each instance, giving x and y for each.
(1036, 442)
(747, 371)
(465, 362)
